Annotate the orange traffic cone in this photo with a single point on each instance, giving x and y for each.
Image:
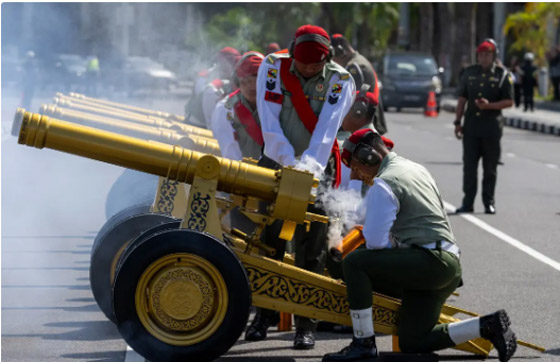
(431, 105)
(285, 322)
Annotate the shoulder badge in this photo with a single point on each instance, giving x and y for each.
(336, 89)
(345, 76)
(270, 59)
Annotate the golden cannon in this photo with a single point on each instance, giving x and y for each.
(95, 106)
(140, 187)
(182, 289)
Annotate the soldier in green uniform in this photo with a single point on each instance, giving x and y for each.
(363, 73)
(302, 97)
(486, 88)
(409, 252)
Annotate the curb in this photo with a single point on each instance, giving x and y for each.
(521, 123)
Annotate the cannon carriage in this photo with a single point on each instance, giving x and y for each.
(181, 285)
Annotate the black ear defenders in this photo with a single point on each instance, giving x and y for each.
(361, 104)
(234, 78)
(311, 37)
(367, 155)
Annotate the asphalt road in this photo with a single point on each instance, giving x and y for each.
(53, 205)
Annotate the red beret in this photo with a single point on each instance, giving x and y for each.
(309, 52)
(249, 64)
(350, 144)
(334, 36)
(370, 97)
(230, 54)
(486, 46)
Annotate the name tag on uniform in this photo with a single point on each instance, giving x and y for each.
(273, 97)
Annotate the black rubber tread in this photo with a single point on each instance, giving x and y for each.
(140, 255)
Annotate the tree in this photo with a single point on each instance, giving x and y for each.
(529, 28)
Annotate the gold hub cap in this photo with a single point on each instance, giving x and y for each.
(181, 299)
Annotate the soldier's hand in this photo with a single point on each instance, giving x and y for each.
(459, 132)
(481, 103)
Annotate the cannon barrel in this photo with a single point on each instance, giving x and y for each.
(140, 110)
(106, 111)
(289, 189)
(206, 145)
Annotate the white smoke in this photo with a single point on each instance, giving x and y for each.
(344, 209)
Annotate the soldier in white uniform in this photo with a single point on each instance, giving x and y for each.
(235, 121)
(302, 97)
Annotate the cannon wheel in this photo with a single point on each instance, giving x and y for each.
(117, 218)
(108, 247)
(180, 295)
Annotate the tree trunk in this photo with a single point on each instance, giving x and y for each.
(444, 33)
(462, 49)
(426, 27)
(484, 21)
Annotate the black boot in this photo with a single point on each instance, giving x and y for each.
(495, 328)
(263, 319)
(304, 339)
(359, 349)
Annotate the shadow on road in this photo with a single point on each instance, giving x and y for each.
(81, 331)
(96, 356)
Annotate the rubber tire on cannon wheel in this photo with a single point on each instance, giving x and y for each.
(223, 324)
(108, 246)
(117, 218)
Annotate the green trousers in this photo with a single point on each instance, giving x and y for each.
(422, 278)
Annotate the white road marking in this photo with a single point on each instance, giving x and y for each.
(551, 165)
(510, 155)
(506, 238)
(132, 356)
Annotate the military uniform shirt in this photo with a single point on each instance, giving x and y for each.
(226, 126)
(495, 84)
(280, 117)
(362, 71)
(224, 133)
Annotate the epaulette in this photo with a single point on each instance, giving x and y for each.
(344, 76)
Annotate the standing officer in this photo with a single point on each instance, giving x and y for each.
(235, 121)
(409, 252)
(362, 71)
(302, 97)
(486, 88)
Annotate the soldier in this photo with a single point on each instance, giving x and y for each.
(486, 88)
(409, 253)
(235, 121)
(362, 71)
(302, 97)
(211, 86)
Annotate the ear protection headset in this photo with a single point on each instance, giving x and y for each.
(234, 77)
(311, 37)
(361, 104)
(366, 154)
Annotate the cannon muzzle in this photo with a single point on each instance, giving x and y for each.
(290, 190)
